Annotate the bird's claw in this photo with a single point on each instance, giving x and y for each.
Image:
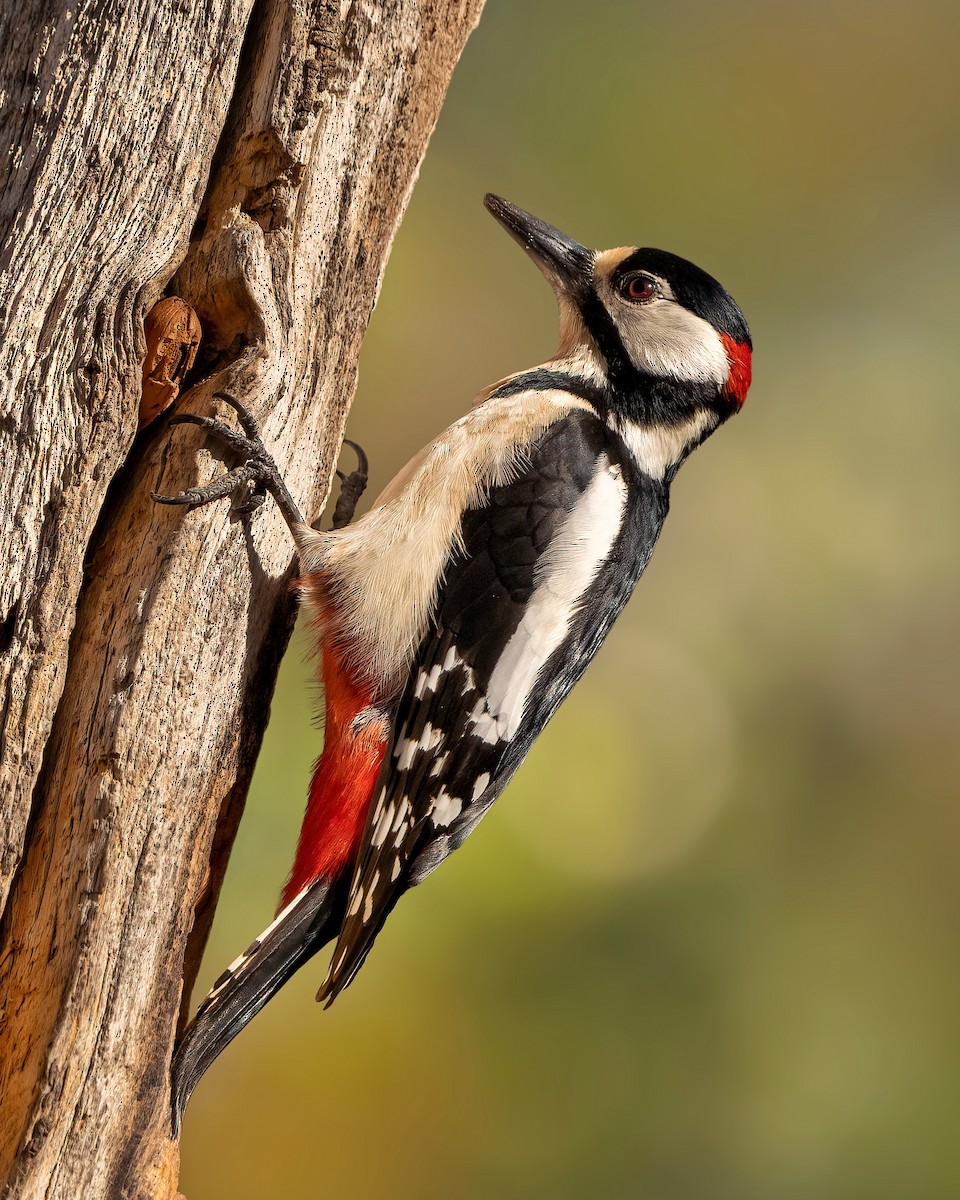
(256, 497)
(352, 487)
(258, 475)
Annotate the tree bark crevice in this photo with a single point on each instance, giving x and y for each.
(142, 643)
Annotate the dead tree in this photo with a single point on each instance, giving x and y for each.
(254, 161)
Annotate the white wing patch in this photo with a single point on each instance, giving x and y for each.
(427, 681)
(480, 786)
(486, 725)
(445, 808)
(437, 771)
(384, 818)
(567, 569)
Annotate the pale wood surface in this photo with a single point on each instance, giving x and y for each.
(267, 155)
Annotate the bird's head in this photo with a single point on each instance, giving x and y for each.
(667, 341)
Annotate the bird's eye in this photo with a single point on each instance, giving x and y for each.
(639, 288)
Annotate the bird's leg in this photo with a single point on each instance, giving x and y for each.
(352, 487)
(259, 470)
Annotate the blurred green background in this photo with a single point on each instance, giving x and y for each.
(706, 947)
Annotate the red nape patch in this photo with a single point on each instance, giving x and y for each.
(741, 369)
(342, 782)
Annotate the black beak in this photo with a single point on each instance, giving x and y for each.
(567, 264)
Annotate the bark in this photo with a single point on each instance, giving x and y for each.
(254, 161)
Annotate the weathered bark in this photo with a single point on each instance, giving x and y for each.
(266, 154)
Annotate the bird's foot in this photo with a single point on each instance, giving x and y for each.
(257, 475)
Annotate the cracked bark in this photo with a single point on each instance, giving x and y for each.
(254, 160)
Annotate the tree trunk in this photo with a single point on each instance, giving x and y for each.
(265, 154)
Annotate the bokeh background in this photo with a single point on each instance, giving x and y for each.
(706, 947)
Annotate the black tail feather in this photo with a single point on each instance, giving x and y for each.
(303, 928)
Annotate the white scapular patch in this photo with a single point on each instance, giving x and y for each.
(655, 448)
(384, 570)
(566, 570)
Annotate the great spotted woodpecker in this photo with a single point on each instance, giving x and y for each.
(458, 613)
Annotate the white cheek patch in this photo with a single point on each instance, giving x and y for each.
(665, 339)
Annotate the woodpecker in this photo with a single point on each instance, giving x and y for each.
(456, 615)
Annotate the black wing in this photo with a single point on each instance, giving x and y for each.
(545, 566)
